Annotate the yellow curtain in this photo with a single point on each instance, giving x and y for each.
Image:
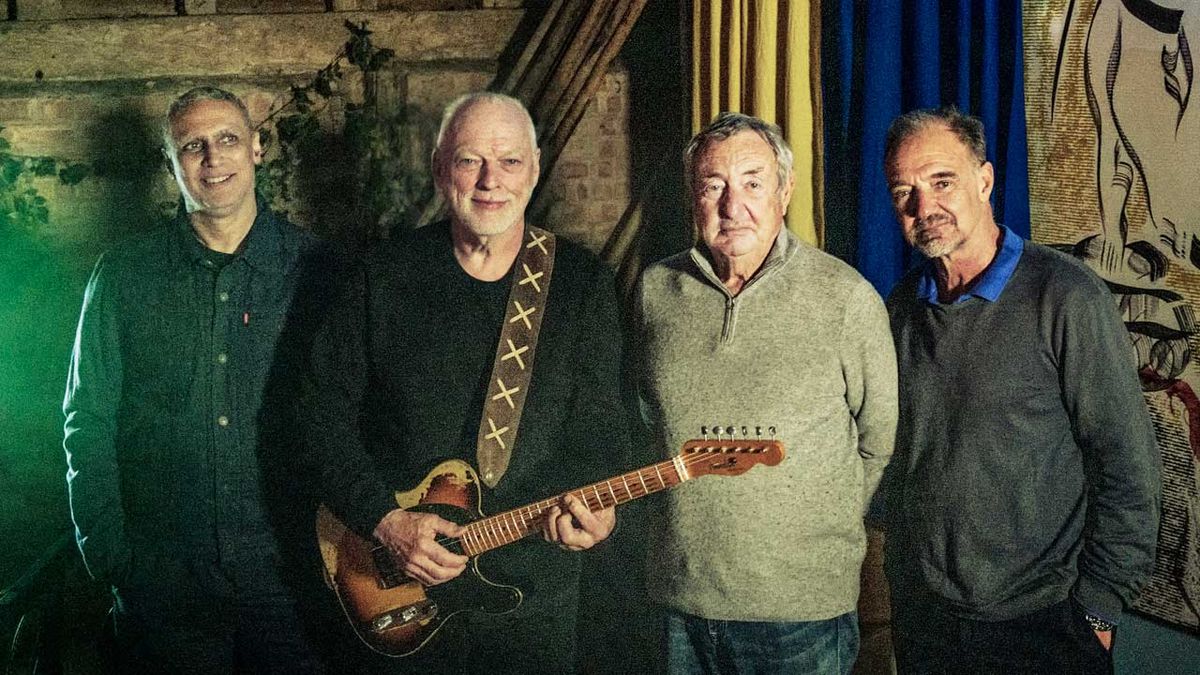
(760, 57)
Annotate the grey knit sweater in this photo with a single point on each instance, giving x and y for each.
(804, 347)
(1026, 464)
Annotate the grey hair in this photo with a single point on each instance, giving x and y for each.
(967, 128)
(468, 100)
(195, 95)
(728, 124)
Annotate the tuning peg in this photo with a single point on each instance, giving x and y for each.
(758, 432)
(744, 434)
(704, 432)
(771, 429)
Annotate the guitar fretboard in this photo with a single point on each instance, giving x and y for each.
(507, 527)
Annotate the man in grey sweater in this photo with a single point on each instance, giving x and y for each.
(1022, 504)
(760, 573)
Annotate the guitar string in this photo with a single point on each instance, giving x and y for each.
(538, 509)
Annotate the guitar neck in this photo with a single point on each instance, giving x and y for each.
(505, 528)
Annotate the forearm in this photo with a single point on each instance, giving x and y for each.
(873, 395)
(1121, 463)
(90, 408)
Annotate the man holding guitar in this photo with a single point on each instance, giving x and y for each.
(479, 342)
(761, 574)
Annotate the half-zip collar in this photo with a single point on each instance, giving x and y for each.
(781, 252)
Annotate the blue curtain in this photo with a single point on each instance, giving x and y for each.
(880, 58)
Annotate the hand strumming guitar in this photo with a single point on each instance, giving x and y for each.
(411, 537)
(577, 528)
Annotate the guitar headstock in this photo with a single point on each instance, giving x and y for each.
(730, 456)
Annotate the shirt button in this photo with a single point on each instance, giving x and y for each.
(487, 476)
(223, 296)
(223, 421)
(222, 358)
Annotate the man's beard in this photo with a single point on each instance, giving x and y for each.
(941, 245)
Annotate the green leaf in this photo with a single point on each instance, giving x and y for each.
(357, 30)
(42, 166)
(322, 85)
(288, 128)
(73, 174)
(10, 169)
(380, 58)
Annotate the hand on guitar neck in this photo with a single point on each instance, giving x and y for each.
(398, 608)
(412, 537)
(577, 528)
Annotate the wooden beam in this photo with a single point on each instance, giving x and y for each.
(246, 46)
(57, 10)
(198, 7)
(39, 10)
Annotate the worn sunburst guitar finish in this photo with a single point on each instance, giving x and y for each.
(396, 616)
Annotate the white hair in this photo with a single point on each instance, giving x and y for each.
(466, 101)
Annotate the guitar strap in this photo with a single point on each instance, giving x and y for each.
(512, 368)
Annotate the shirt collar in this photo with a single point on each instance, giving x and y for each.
(990, 284)
(261, 248)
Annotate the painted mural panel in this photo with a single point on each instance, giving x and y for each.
(1114, 173)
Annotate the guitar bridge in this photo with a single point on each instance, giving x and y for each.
(402, 616)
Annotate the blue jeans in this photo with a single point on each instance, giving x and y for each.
(696, 645)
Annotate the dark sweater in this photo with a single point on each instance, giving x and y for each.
(1025, 466)
(399, 377)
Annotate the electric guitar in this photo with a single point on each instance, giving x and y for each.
(396, 616)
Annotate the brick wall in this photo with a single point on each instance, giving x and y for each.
(86, 81)
(84, 88)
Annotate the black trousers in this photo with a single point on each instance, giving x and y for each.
(1055, 640)
(189, 616)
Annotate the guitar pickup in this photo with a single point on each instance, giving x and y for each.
(397, 618)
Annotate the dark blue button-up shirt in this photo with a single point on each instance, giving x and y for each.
(168, 399)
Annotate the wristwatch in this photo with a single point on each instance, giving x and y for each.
(1099, 624)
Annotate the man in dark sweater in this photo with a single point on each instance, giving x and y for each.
(405, 366)
(175, 449)
(1022, 501)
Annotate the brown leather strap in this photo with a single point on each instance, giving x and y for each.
(512, 368)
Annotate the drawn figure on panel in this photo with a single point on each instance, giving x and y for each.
(1139, 72)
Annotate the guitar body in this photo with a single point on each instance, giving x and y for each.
(395, 615)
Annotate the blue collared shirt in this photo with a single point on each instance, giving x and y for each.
(993, 280)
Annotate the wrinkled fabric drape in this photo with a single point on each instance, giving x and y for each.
(758, 57)
(884, 57)
(564, 63)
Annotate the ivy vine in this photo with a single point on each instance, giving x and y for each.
(387, 191)
(22, 208)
